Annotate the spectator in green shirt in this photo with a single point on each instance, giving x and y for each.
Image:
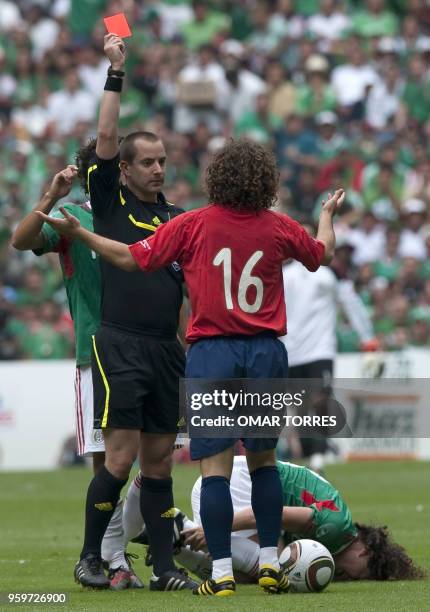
(416, 95)
(83, 17)
(316, 94)
(205, 26)
(420, 327)
(375, 20)
(330, 142)
(47, 338)
(389, 265)
(259, 124)
(36, 289)
(383, 192)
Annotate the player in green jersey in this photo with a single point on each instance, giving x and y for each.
(81, 275)
(313, 509)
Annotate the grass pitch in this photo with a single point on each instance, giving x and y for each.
(41, 518)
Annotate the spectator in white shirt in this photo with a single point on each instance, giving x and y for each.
(92, 70)
(352, 82)
(10, 16)
(43, 32)
(242, 86)
(8, 86)
(173, 17)
(70, 105)
(368, 240)
(328, 25)
(205, 69)
(383, 101)
(29, 116)
(412, 243)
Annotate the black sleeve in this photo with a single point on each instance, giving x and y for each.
(103, 184)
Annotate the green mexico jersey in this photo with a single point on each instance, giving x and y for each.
(332, 522)
(81, 273)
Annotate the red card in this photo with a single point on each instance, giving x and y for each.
(117, 24)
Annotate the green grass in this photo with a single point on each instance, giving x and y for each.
(41, 518)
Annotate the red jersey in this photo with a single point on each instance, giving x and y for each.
(232, 263)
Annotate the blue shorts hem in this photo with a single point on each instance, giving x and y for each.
(202, 448)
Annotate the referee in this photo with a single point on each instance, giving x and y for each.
(137, 359)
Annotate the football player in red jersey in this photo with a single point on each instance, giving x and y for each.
(231, 253)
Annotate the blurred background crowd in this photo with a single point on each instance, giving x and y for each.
(340, 89)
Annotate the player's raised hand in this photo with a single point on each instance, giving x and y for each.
(62, 182)
(68, 226)
(334, 201)
(114, 48)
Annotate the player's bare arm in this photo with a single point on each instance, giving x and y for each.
(294, 520)
(107, 130)
(325, 227)
(116, 253)
(28, 235)
(194, 538)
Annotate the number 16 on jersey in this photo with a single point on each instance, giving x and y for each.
(224, 258)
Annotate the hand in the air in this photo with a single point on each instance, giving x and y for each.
(114, 48)
(68, 226)
(334, 201)
(62, 182)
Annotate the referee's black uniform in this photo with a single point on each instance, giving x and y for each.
(137, 359)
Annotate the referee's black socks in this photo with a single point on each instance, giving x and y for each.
(156, 505)
(102, 497)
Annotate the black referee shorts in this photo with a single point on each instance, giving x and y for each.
(136, 381)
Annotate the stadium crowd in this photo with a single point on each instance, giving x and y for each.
(339, 89)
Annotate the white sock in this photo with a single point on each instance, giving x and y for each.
(222, 568)
(113, 540)
(132, 517)
(269, 556)
(197, 561)
(245, 554)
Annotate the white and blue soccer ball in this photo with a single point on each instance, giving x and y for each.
(309, 565)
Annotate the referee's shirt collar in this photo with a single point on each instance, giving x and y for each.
(161, 198)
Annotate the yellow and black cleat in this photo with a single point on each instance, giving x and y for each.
(223, 587)
(273, 580)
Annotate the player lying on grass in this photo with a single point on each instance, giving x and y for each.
(231, 253)
(313, 509)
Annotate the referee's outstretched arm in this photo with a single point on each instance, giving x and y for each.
(116, 253)
(107, 130)
(163, 247)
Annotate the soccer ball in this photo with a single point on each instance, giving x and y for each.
(309, 565)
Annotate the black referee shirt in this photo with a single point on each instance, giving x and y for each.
(143, 302)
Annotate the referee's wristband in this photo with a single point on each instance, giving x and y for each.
(116, 73)
(113, 84)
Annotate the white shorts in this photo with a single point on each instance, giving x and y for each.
(89, 440)
(240, 490)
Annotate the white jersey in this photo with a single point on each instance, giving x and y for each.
(240, 489)
(311, 300)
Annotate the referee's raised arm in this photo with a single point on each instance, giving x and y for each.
(107, 130)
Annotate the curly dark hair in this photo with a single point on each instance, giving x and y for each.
(387, 560)
(243, 175)
(83, 159)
